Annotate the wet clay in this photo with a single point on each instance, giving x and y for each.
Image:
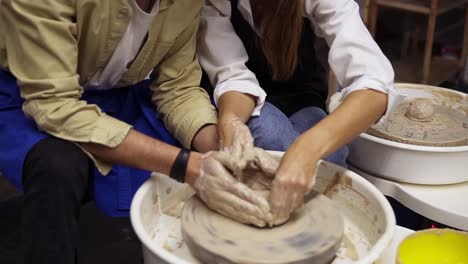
(423, 122)
(225, 194)
(256, 171)
(420, 110)
(313, 234)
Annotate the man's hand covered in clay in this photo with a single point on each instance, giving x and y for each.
(222, 192)
(243, 197)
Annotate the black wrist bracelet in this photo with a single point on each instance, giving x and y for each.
(179, 168)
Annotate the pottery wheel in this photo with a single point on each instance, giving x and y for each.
(312, 235)
(442, 127)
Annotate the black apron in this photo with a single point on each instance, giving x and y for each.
(307, 86)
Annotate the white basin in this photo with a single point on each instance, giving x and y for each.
(369, 219)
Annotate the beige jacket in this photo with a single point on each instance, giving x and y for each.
(53, 47)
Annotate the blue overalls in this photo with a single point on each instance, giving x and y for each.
(113, 193)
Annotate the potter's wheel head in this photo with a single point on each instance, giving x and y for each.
(312, 235)
(444, 127)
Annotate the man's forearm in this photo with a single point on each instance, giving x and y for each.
(356, 114)
(235, 104)
(138, 151)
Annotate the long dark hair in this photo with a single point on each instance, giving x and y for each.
(280, 26)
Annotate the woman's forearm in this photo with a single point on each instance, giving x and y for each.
(356, 114)
(235, 104)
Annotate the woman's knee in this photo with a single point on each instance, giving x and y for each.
(339, 157)
(272, 130)
(53, 163)
(306, 118)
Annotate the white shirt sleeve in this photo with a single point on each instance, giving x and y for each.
(355, 58)
(222, 54)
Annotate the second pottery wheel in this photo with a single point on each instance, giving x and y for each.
(312, 235)
(423, 122)
(433, 158)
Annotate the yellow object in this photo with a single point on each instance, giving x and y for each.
(434, 246)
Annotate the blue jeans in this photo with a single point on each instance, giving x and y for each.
(273, 130)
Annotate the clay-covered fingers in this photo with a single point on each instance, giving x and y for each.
(244, 211)
(235, 208)
(266, 162)
(218, 162)
(235, 200)
(243, 139)
(287, 195)
(245, 193)
(214, 172)
(241, 149)
(221, 192)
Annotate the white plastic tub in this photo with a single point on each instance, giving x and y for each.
(369, 219)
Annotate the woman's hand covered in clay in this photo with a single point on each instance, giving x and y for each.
(235, 138)
(218, 188)
(294, 179)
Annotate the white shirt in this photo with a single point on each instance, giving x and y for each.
(355, 58)
(126, 50)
